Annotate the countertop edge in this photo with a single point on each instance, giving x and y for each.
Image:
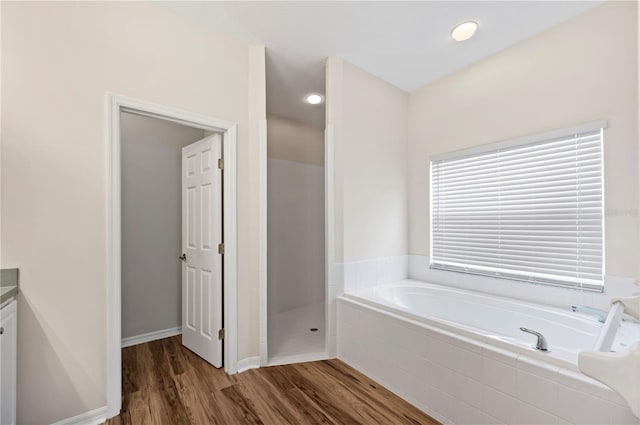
(8, 296)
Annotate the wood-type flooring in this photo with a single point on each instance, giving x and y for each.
(166, 384)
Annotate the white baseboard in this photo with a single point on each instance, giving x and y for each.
(92, 417)
(248, 363)
(151, 336)
(298, 358)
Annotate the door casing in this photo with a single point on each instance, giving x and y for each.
(115, 105)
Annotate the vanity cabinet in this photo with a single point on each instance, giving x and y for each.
(8, 360)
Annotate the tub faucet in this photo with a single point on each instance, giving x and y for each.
(601, 315)
(541, 344)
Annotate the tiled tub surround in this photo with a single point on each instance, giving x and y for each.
(614, 286)
(355, 276)
(366, 274)
(370, 273)
(461, 375)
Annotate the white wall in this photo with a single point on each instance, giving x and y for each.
(0, 136)
(295, 141)
(295, 235)
(369, 117)
(151, 154)
(579, 71)
(59, 60)
(334, 136)
(366, 121)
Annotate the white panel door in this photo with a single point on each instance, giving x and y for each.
(201, 234)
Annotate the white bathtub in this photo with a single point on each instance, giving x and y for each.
(461, 357)
(488, 317)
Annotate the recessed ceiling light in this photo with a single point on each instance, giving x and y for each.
(314, 98)
(464, 31)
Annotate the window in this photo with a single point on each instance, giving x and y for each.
(528, 209)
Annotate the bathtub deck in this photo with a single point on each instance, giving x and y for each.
(164, 383)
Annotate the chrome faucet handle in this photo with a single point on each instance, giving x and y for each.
(541, 344)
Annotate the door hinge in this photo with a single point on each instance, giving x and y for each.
(221, 248)
(221, 164)
(221, 334)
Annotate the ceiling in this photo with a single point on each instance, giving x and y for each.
(404, 43)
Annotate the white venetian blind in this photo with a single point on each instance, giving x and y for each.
(530, 211)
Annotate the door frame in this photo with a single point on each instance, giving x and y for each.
(115, 105)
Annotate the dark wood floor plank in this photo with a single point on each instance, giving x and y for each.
(165, 383)
(235, 408)
(215, 379)
(288, 390)
(165, 399)
(198, 400)
(342, 396)
(271, 410)
(139, 412)
(144, 363)
(334, 408)
(379, 397)
(169, 346)
(129, 370)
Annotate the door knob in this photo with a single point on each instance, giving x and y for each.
(183, 257)
(1, 331)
